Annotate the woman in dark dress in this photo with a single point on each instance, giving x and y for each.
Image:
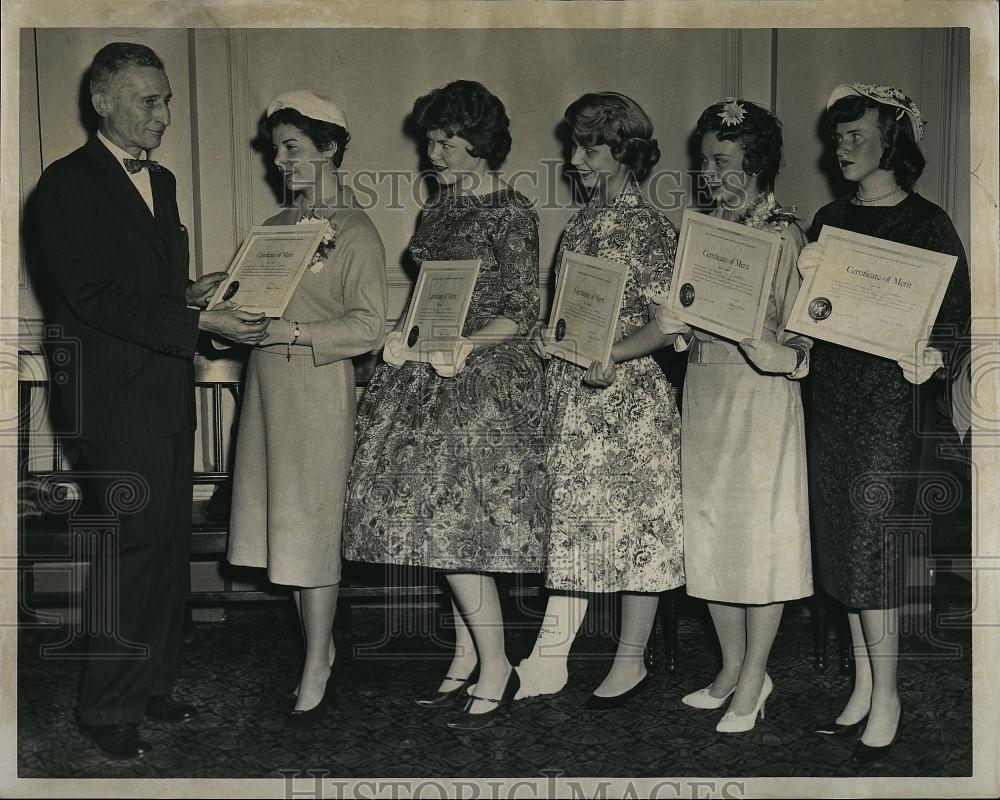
(863, 451)
(450, 456)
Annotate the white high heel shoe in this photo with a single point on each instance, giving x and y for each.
(733, 723)
(702, 699)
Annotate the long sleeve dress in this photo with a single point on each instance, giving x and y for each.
(614, 461)
(449, 472)
(746, 506)
(864, 454)
(296, 428)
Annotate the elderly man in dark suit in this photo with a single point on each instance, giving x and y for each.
(115, 254)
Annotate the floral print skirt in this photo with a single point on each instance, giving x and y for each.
(615, 482)
(449, 473)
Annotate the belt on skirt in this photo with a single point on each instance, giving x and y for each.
(703, 352)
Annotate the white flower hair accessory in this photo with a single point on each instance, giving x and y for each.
(326, 244)
(733, 113)
(888, 95)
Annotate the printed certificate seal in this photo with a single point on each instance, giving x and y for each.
(820, 308)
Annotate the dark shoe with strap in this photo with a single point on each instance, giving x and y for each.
(119, 740)
(163, 708)
(445, 699)
(598, 703)
(467, 721)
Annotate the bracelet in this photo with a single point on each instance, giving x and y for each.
(800, 356)
(294, 333)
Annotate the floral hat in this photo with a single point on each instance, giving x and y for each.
(887, 95)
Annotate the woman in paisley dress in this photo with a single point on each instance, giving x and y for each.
(863, 453)
(613, 464)
(746, 507)
(449, 471)
(293, 449)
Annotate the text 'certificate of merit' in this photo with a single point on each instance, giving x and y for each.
(268, 267)
(585, 310)
(872, 295)
(722, 276)
(438, 308)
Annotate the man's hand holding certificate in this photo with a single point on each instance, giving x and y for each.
(870, 294)
(723, 275)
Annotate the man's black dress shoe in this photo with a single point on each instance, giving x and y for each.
(163, 708)
(120, 740)
(598, 703)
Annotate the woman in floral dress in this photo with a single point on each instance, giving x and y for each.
(745, 499)
(449, 471)
(614, 466)
(293, 450)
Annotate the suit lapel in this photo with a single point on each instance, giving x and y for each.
(124, 193)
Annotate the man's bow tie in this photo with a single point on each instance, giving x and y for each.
(133, 165)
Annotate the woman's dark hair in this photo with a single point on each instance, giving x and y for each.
(322, 134)
(469, 110)
(900, 152)
(758, 133)
(619, 122)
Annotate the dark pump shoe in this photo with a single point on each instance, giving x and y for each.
(834, 728)
(163, 708)
(120, 740)
(598, 703)
(865, 754)
(309, 717)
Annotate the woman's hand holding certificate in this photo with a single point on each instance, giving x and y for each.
(930, 362)
(599, 375)
(393, 351)
(770, 357)
(448, 365)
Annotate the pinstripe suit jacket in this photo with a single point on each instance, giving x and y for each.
(118, 275)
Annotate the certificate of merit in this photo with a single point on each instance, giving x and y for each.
(722, 276)
(588, 300)
(437, 311)
(268, 267)
(872, 295)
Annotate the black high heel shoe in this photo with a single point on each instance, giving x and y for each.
(445, 699)
(311, 716)
(865, 754)
(598, 703)
(466, 721)
(836, 730)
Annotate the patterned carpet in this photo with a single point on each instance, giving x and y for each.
(237, 671)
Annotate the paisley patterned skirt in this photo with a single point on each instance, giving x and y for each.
(449, 473)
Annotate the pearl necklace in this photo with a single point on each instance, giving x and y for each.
(861, 199)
